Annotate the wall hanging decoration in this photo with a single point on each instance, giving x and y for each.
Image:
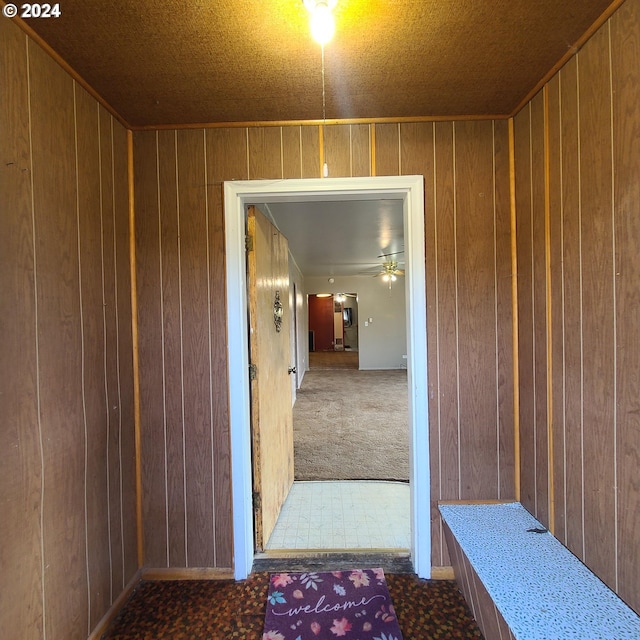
(278, 312)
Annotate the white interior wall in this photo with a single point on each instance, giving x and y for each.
(382, 344)
(299, 342)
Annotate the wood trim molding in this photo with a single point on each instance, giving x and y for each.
(442, 573)
(582, 40)
(135, 355)
(321, 144)
(549, 337)
(458, 502)
(514, 311)
(114, 609)
(186, 573)
(58, 59)
(372, 148)
(298, 123)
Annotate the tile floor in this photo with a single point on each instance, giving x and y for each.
(344, 515)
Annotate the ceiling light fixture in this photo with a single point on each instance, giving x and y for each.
(321, 19)
(390, 272)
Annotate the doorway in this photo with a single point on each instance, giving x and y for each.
(332, 322)
(408, 189)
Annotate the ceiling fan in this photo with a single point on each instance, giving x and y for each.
(390, 272)
(341, 297)
(394, 253)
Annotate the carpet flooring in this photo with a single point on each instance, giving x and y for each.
(218, 610)
(334, 360)
(351, 425)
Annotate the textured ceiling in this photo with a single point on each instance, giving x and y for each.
(209, 61)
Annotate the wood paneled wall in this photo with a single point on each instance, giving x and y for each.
(67, 490)
(469, 312)
(578, 234)
(180, 259)
(183, 366)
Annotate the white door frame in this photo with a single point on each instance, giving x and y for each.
(238, 194)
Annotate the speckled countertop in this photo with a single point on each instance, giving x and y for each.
(542, 590)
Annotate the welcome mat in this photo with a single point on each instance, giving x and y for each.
(337, 604)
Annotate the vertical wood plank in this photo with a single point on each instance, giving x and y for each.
(476, 308)
(524, 235)
(360, 150)
(447, 318)
(150, 347)
(196, 346)
(173, 427)
(457, 563)
(126, 411)
(310, 139)
(337, 141)
(59, 340)
(490, 618)
(291, 153)
(470, 579)
(598, 301)
(538, 284)
(557, 312)
(504, 312)
(112, 391)
(21, 605)
(265, 159)
(93, 337)
(625, 54)
(572, 307)
(227, 154)
(416, 153)
(387, 150)
(217, 172)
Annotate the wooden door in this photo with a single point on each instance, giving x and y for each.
(270, 358)
(321, 322)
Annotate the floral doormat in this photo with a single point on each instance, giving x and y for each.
(323, 606)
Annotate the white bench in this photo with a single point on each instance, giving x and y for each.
(526, 585)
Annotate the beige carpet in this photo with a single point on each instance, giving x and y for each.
(351, 425)
(333, 360)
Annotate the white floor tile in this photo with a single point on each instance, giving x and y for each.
(344, 515)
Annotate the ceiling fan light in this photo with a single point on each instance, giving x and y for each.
(386, 277)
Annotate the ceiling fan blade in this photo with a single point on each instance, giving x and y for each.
(399, 272)
(395, 253)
